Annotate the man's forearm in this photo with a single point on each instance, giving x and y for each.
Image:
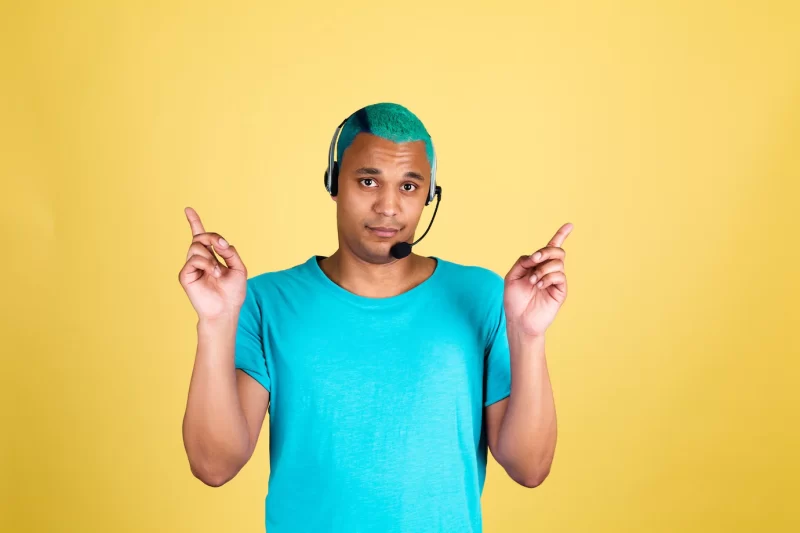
(214, 427)
(527, 437)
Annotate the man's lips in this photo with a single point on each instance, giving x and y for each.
(383, 231)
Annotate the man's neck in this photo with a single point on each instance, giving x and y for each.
(377, 280)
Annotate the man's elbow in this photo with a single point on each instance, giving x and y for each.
(523, 474)
(212, 476)
(533, 479)
(213, 480)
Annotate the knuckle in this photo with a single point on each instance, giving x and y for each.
(200, 250)
(204, 237)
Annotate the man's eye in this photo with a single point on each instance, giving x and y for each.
(367, 182)
(409, 187)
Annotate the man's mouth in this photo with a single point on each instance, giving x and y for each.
(383, 231)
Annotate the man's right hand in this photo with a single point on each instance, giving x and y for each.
(215, 290)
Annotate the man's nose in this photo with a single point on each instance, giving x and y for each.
(388, 203)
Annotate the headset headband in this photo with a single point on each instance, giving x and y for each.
(331, 175)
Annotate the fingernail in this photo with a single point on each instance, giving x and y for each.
(539, 284)
(223, 243)
(537, 256)
(533, 279)
(217, 271)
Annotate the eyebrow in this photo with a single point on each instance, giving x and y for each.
(371, 171)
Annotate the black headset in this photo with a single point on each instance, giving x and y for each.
(332, 178)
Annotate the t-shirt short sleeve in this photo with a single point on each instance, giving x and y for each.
(497, 369)
(250, 356)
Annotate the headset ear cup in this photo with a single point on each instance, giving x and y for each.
(335, 179)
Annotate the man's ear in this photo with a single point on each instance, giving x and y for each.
(334, 198)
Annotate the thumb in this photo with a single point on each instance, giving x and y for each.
(230, 255)
(520, 268)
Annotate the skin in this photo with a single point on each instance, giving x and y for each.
(522, 428)
(225, 408)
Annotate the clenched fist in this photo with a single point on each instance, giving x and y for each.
(214, 289)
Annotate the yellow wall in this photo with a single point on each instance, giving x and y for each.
(668, 133)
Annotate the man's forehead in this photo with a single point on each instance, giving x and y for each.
(368, 156)
(369, 150)
(369, 141)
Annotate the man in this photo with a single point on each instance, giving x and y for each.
(386, 379)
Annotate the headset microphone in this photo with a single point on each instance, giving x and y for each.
(403, 249)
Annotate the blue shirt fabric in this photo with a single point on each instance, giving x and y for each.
(376, 420)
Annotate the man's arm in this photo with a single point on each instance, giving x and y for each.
(522, 433)
(225, 408)
(521, 429)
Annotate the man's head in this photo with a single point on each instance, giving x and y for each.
(385, 158)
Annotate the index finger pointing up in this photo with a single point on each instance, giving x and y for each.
(561, 235)
(194, 221)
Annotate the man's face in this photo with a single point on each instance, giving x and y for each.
(382, 191)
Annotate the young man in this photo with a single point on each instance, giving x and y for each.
(386, 379)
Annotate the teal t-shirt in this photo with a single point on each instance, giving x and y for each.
(376, 421)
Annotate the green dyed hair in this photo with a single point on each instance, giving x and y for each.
(387, 120)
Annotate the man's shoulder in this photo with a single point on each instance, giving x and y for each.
(477, 283)
(471, 273)
(476, 291)
(280, 278)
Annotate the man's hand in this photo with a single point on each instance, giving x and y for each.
(214, 289)
(536, 286)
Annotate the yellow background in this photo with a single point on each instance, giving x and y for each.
(668, 133)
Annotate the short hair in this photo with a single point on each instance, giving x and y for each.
(393, 122)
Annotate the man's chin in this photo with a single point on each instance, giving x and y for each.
(379, 252)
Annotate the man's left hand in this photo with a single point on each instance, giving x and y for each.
(536, 286)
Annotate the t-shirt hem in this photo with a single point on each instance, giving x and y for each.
(503, 397)
(256, 377)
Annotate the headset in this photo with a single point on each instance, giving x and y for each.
(401, 249)
(332, 178)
